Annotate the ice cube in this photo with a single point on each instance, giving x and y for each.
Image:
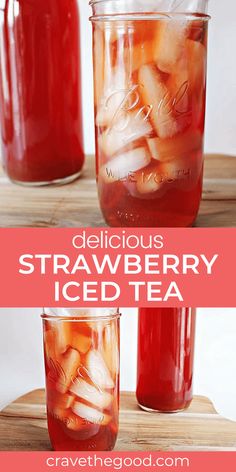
(81, 342)
(180, 145)
(175, 170)
(97, 329)
(96, 314)
(156, 95)
(115, 98)
(186, 168)
(170, 43)
(74, 423)
(62, 333)
(56, 400)
(196, 30)
(104, 51)
(127, 129)
(71, 421)
(135, 45)
(88, 392)
(196, 54)
(111, 349)
(140, 54)
(121, 166)
(178, 85)
(98, 370)
(98, 64)
(90, 414)
(188, 78)
(153, 147)
(60, 414)
(50, 345)
(69, 364)
(63, 400)
(85, 430)
(148, 182)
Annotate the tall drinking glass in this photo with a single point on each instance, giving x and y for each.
(149, 88)
(82, 378)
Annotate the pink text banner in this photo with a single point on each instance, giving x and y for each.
(115, 461)
(117, 267)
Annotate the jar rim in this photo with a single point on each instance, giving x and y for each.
(49, 314)
(149, 16)
(93, 2)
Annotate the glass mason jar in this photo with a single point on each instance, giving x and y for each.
(40, 91)
(149, 87)
(82, 378)
(165, 358)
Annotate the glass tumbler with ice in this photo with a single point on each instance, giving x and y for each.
(149, 88)
(81, 350)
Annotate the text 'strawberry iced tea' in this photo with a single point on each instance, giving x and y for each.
(40, 96)
(82, 379)
(165, 358)
(150, 88)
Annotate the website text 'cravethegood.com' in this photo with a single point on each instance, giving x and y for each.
(118, 463)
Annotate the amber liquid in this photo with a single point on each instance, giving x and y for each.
(149, 112)
(40, 90)
(82, 383)
(165, 358)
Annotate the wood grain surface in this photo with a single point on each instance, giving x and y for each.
(76, 204)
(23, 426)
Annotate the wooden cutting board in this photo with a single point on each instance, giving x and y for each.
(76, 204)
(23, 427)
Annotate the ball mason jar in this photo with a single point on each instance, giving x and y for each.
(165, 358)
(82, 378)
(40, 91)
(149, 89)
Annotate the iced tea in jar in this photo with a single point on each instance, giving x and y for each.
(81, 350)
(149, 88)
(165, 358)
(40, 91)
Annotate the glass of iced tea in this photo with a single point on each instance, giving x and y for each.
(149, 88)
(81, 350)
(165, 358)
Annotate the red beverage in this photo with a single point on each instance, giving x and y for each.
(150, 88)
(82, 382)
(165, 358)
(40, 91)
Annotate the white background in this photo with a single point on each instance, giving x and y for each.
(221, 98)
(21, 358)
